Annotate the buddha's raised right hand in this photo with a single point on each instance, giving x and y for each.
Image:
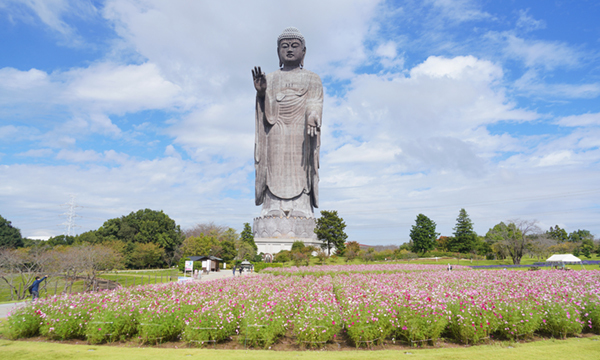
(260, 81)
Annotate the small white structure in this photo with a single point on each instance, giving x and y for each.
(562, 259)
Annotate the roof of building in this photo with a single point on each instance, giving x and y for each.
(567, 258)
(204, 257)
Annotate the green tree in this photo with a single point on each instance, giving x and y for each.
(298, 246)
(352, 250)
(442, 243)
(248, 237)
(143, 226)
(465, 238)
(61, 240)
(330, 230)
(199, 245)
(516, 236)
(148, 255)
(558, 234)
(10, 236)
(423, 234)
(246, 252)
(89, 237)
(282, 256)
(580, 235)
(587, 247)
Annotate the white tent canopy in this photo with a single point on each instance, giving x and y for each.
(564, 258)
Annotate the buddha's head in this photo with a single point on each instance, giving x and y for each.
(291, 48)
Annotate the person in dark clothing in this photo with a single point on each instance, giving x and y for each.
(234, 271)
(241, 271)
(35, 287)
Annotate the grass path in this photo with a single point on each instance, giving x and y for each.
(572, 349)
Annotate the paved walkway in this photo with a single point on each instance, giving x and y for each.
(223, 274)
(6, 308)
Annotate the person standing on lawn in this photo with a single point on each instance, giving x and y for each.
(35, 287)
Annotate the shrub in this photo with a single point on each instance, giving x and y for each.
(211, 325)
(23, 323)
(517, 320)
(591, 315)
(470, 324)
(111, 325)
(62, 323)
(421, 324)
(258, 330)
(561, 320)
(158, 324)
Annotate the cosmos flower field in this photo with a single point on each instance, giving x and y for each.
(360, 306)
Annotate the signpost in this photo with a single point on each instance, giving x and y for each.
(189, 266)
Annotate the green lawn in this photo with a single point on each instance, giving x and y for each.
(126, 278)
(573, 349)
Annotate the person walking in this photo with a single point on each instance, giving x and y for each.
(35, 287)
(234, 271)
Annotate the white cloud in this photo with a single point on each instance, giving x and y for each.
(204, 49)
(387, 50)
(539, 53)
(459, 10)
(78, 156)
(533, 84)
(580, 120)
(394, 144)
(556, 158)
(461, 67)
(528, 23)
(37, 153)
(52, 14)
(122, 88)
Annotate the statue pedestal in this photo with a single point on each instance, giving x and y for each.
(273, 234)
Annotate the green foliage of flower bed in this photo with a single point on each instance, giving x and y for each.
(591, 316)
(160, 323)
(24, 323)
(367, 308)
(211, 324)
(420, 325)
(111, 325)
(63, 321)
(517, 320)
(562, 319)
(470, 324)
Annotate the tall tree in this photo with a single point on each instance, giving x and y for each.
(330, 230)
(10, 236)
(580, 235)
(143, 226)
(516, 237)
(465, 238)
(61, 240)
(423, 234)
(248, 237)
(557, 233)
(148, 255)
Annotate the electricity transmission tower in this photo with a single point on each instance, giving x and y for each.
(70, 214)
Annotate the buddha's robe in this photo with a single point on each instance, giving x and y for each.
(286, 156)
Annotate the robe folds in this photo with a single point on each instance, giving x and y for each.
(286, 158)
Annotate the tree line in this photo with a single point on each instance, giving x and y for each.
(514, 239)
(140, 240)
(146, 239)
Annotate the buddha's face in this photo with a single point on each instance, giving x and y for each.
(291, 52)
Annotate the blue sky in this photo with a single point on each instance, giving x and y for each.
(431, 106)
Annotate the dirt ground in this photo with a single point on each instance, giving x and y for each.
(287, 343)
